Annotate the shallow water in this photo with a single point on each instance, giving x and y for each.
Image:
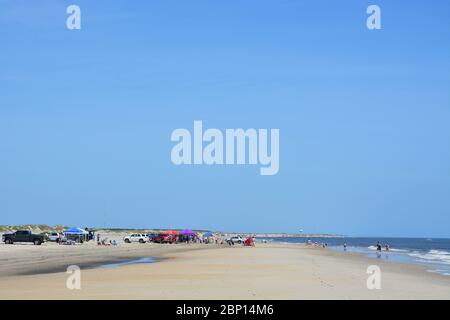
(432, 253)
(128, 262)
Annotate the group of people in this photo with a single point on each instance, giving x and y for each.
(379, 248)
(197, 239)
(105, 241)
(316, 244)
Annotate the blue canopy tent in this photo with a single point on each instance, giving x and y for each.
(208, 237)
(75, 231)
(76, 234)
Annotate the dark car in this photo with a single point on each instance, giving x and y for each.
(164, 238)
(23, 236)
(150, 236)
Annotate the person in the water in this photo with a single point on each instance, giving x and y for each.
(379, 246)
(379, 249)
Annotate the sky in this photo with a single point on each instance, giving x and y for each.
(86, 115)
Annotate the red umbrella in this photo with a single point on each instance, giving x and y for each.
(170, 232)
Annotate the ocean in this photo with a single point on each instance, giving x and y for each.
(432, 253)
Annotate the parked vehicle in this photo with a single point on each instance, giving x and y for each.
(53, 237)
(235, 239)
(150, 236)
(23, 236)
(165, 238)
(136, 237)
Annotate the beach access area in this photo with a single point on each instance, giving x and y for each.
(207, 271)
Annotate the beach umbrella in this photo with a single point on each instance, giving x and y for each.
(170, 232)
(188, 232)
(208, 235)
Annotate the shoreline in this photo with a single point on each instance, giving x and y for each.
(434, 254)
(392, 266)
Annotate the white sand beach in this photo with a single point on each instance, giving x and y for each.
(267, 271)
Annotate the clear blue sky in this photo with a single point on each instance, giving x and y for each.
(86, 116)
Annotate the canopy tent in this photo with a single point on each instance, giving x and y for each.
(170, 232)
(76, 231)
(208, 235)
(76, 234)
(187, 232)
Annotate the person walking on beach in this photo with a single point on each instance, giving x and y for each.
(345, 246)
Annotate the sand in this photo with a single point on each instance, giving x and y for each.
(267, 271)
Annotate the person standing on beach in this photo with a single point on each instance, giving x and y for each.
(345, 246)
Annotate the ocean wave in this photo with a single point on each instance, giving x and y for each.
(440, 271)
(445, 253)
(400, 250)
(433, 256)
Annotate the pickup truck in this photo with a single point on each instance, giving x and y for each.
(22, 236)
